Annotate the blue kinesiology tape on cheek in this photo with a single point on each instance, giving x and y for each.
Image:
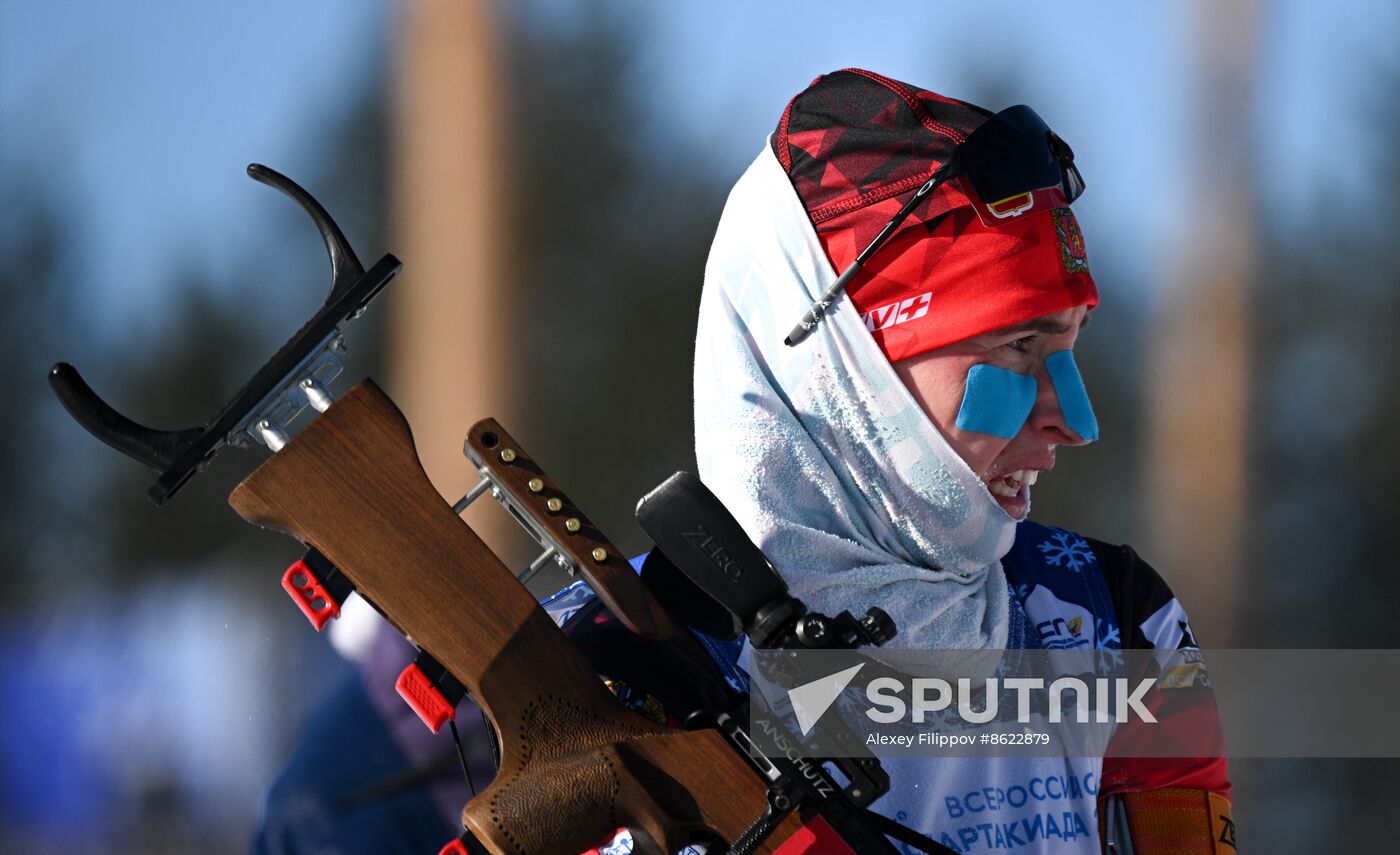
(1074, 401)
(996, 401)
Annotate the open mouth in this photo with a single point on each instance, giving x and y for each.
(1010, 484)
(1012, 491)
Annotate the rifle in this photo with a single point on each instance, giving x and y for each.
(574, 764)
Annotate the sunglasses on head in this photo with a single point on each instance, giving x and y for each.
(1001, 166)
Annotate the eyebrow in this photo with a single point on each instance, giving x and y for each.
(1042, 325)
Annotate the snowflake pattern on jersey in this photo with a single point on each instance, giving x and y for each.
(620, 845)
(1066, 549)
(623, 844)
(1108, 634)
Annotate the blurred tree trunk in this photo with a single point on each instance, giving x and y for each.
(1199, 366)
(450, 358)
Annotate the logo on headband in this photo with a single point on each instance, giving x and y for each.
(1072, 254)
(1011, 206)
(908, 309)
(1003, 212)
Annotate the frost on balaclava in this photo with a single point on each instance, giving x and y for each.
(821, 452)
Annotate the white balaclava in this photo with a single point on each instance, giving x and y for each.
(821, 452)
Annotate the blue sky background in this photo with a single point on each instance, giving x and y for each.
(143, 114)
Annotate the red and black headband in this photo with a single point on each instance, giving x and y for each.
(858, 146)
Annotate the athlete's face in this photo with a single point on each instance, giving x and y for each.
(1007, 466)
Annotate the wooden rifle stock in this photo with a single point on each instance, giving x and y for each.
(575, 764)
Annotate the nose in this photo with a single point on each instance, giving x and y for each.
(1047, 419)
